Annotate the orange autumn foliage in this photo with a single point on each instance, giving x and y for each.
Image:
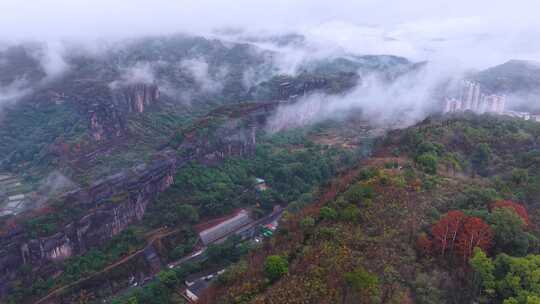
(445, 231)
(459, 234)
(474, 233)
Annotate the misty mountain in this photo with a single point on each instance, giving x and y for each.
(20, 64)
(513, 76)
(305, 151)
(518, 79)
(102, 102)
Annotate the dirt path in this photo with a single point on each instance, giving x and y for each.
(151, 236)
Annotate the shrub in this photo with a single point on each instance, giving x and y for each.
(520, 176)
(363, 282)
(428, 162)
(350, 213)
(275, 267)
(359, 192)
(475, 197)
(307, 222)
(480, 159)
(327, 213)
(368, 173)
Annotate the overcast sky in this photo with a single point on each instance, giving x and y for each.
(475, 33)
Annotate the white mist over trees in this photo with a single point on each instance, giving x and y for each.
(400, 103)
(453, 36)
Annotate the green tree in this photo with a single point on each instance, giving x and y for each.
(168, 277)
(328, 213)
(483, 268)
(363, 283)
(350, 213)
(510, 280)
(275, 267)
(520, 176)
(425, 289)
(509, 231)
(474, 197)
(452, 162)
(533, 300)
(428, 162)
(307, 222)
(480, 158)
(187, 213)
(359, 192)
(429, 147)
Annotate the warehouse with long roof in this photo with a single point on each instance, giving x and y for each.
(225, 228)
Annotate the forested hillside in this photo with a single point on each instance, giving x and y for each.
(295, 164)
(302, 152)
(444, 212)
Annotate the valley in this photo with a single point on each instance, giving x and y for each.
(182, 169)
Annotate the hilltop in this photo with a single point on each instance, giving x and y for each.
(379, 233)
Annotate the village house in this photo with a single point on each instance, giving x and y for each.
(260, 184)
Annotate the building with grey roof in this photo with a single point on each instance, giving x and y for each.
(225, 228)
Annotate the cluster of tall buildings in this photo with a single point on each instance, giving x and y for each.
(472, 99)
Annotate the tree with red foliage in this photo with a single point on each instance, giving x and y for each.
(518, 208)
(475, 233)
(457, 233)
(445, 231)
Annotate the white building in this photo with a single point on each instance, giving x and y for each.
(472, 99)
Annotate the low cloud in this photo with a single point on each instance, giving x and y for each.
(12, 92)
(253, 76)
(51, 56)
(199, 69)
(141, 72)
(527, 101)
(480, 33)
(399, 103)
(461, 34)
(53, 185)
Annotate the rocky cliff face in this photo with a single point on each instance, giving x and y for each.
(113, 204)
(236, 135)
(229, 140)
(107, 118)
(288, 87)
(135, 97)
(136, 270)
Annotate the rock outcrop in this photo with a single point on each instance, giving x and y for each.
(135, 97)
(112, 205)
(108, 116)
(287, 87)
